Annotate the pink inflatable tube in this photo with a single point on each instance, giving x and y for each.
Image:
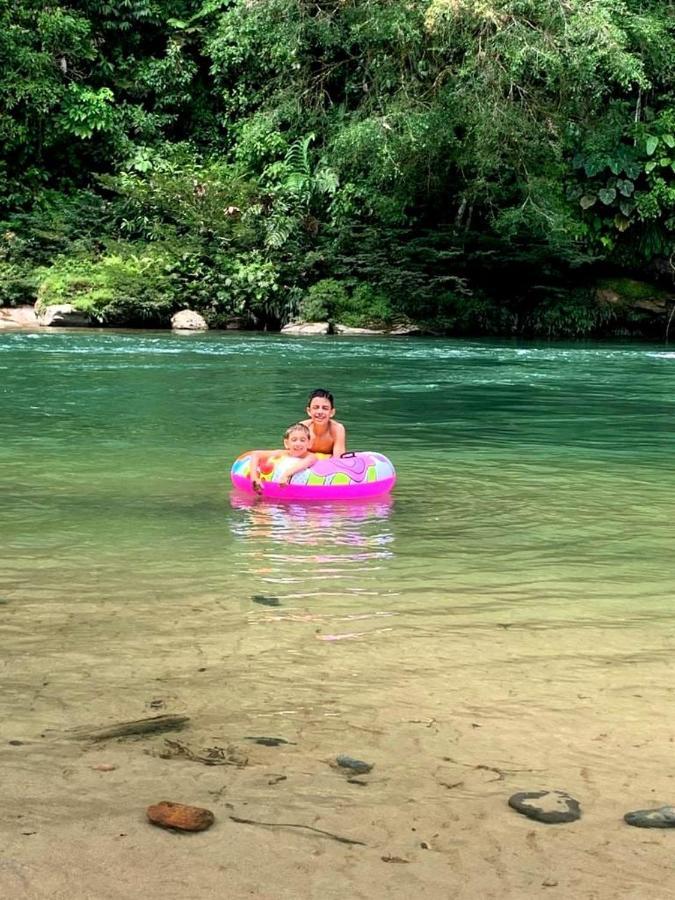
(352, 476)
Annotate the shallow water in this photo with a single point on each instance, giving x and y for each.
(517, 585)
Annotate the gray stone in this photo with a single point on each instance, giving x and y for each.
(663, 817)
(306, 328)
(188, 320)
(266, 600)
(62, 315)
(551, 807)
(354, 765)
(348, 329)
(404, 330)
(236, 323)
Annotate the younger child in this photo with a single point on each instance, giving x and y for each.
(326, 435)
(294, 457)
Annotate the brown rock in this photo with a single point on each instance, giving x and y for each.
(177, 815)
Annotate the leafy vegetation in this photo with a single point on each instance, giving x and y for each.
(474, 165)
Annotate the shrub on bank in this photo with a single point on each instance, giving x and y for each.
(18, 284)
(119, 287)
(144, 284)
(358, 305)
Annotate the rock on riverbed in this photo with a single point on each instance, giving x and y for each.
(663, 817)
(179, 816)
(551, 807)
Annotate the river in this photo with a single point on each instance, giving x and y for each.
(503, 621)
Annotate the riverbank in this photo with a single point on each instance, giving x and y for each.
(626, 310)
(18, 317)
(432, 814)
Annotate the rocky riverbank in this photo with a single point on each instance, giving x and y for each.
(609, 307)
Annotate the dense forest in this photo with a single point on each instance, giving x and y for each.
(475, 166)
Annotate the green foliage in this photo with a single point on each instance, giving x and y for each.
(119, 287)
(255, 289)
(458, 314)
(56, 224)
(626, 183)
(171, 190)
(18, 284)
(322, 299)
(84, 111)
(569, 315)
(375, 159)
(365, 306)
(359, 306)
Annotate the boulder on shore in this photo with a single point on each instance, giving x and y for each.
(405, 330)
(17, 317)
(306, 328)
(188, 320)
(349, 329)
(62, 315)
(628, 293)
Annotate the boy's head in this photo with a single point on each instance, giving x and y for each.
(320, 406)
(323, 394)
(297, 439)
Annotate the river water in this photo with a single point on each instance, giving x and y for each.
(503, 621)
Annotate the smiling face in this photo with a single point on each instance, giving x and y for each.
(320, 410)
(297, 443)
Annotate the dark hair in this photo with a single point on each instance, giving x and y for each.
(321, 392)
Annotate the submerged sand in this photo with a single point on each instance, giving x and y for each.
(455, 715)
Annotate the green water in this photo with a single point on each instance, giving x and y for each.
(526, 473)
(535, 486)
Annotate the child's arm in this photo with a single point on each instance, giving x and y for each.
(298, 466)
(253, 472)
(257, 457)
(340, 439)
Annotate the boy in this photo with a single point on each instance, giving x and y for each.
(326, 435)
(295, 456)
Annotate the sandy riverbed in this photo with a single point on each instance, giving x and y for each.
(451, 738)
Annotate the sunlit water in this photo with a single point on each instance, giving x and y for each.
(523, 564)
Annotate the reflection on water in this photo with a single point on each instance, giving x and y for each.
(335, 534)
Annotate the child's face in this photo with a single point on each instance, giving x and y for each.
(320, 410)
(297, 444)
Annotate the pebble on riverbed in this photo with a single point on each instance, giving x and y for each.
(550, 807)
(179, 816)
(265, 600)
(663, 817)
(354, 765)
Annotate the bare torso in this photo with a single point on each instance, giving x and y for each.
(324, 442)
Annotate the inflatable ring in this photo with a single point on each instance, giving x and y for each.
(352, 476)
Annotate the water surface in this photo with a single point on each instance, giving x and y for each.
(517, 585)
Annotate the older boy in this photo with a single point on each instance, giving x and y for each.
(327, 435)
